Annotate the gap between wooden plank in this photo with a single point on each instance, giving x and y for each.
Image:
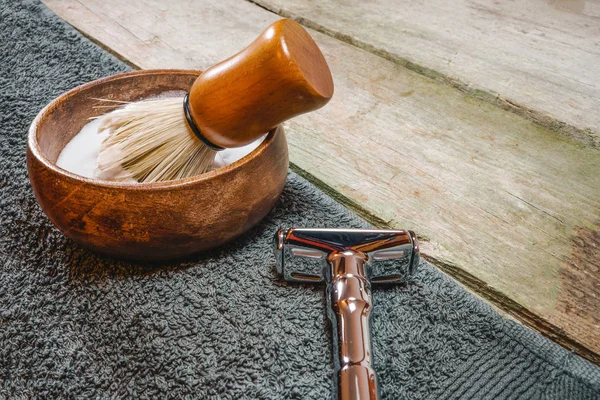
(587, 135)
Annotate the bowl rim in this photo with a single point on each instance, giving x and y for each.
(36, 152)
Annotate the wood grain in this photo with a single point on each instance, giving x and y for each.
(155, 221)
(280, 75)
(539, 58)
(496, 199)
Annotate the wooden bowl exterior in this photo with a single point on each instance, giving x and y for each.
(153, 221)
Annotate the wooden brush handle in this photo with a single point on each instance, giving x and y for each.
(278, 76)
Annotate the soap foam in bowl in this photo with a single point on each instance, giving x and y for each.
(80, 154)
(149, 221)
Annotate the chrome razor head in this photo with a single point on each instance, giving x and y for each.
(303, 254)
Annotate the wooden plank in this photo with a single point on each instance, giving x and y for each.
(507, 207)
(540, 58)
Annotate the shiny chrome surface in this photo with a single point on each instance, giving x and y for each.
(347, 260)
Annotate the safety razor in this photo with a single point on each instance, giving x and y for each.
(348, 261)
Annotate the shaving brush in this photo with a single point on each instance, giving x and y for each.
(278, 76)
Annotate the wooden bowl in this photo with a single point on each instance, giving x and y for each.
(150, 221)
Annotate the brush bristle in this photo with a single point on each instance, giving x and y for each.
(150, 141)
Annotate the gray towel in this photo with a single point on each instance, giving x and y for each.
(74, 324)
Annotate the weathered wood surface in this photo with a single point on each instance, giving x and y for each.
(539, 58)
(509, 208)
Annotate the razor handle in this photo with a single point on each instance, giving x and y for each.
(346, 258)
(350, 305)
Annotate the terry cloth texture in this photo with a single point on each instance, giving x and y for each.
(74, 324)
